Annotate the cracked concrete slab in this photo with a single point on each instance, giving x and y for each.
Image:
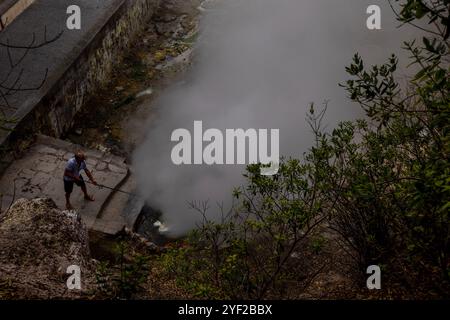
(39, 173)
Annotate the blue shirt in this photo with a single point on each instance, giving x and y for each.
(73, 167)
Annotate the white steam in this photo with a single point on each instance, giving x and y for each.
(259, 64)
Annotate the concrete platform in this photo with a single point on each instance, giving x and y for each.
(40, 174)
(120, 209)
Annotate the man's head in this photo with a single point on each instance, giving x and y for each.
(80, 156)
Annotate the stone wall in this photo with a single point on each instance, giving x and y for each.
(55, 113)
(94, 66)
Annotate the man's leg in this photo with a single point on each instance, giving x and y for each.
(68, 204)
(82, 184)
(68, 187)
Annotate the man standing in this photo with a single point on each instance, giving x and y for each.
(72, 175)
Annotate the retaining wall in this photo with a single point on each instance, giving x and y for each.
(65, 94)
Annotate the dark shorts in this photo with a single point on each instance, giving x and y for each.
(68, 185)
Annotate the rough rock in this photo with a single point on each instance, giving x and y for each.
(37, 244)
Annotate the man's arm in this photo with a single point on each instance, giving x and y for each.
(89, 174)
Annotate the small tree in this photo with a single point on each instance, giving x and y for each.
(251, 252)
(393, 208)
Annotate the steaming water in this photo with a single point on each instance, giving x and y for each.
(259, 64)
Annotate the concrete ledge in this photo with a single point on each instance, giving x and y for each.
(40, 171)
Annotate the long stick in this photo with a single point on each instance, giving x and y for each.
(113, 189)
